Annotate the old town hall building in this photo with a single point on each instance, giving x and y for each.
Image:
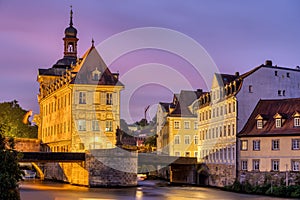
(79, 100)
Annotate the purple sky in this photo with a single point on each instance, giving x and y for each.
(238, 35)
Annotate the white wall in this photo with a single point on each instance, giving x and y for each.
(265, 85)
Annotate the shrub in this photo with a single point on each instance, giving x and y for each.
(247, 187)
(279, 191)
(237, 186)
(10, 172)
(296, 193)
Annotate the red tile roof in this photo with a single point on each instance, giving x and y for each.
(268, 109)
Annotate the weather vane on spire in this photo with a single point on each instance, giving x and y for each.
(71, 16)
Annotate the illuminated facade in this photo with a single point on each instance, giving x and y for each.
(177, 126)
(269, 143)
(224, 111)
(79, 100)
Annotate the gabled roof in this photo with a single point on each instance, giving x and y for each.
(165, 106)
(226, 78)
(268, 109)
(185, 99)
(92, 61)
(84, 68)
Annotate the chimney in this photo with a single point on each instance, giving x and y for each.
(268, 62)
(237, 74)
(199, 90)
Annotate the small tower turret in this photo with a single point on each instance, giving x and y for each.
(70, 39)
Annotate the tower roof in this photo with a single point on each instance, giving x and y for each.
(71, 32)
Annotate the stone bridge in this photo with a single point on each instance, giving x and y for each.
(106, 167)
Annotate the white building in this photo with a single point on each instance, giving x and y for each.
(224, 111)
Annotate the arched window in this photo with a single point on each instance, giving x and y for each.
(70, 47)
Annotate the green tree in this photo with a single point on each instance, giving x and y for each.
(151, 141)
(12, 115)
(10, 172)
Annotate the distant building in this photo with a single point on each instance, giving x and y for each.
(269, 143)
(79, 100)
(225, 109)
(177, 126)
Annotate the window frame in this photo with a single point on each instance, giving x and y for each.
(187, 139)
(275, 164)
(187, 124)
(109, 126)
(177, 139)
(109, 98)
(176, 124)
(187, 154)
(95, 125)
(278, 123)
(259, 124)
(297, 142)
(195, 125)
(297, 122)
(256, 165)
(244, 165)
(250, 89)
(82, 98)
(81, 126)
(256, 145)
(295, 165)
(276, 145)
(244, 145)
(196, 139)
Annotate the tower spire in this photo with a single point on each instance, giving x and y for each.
(71, 16)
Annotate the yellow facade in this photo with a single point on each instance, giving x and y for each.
(79, 100)
(181, 137)
(177, 126)
(77, 117)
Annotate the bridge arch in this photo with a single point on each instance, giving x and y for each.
(39, 171)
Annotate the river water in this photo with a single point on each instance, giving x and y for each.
(37, 190)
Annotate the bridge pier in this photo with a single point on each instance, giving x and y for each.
(100, 168)
(112, 167)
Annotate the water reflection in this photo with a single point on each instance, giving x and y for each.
(148, 190)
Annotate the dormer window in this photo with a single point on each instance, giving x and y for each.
(278, 123)
(296, 116)
(259, 124)
(297, 121)
(259, 121)
(278, 120)
(96, 74)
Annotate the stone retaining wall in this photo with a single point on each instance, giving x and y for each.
(27, 144)
(221, 175)
(274, 178)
